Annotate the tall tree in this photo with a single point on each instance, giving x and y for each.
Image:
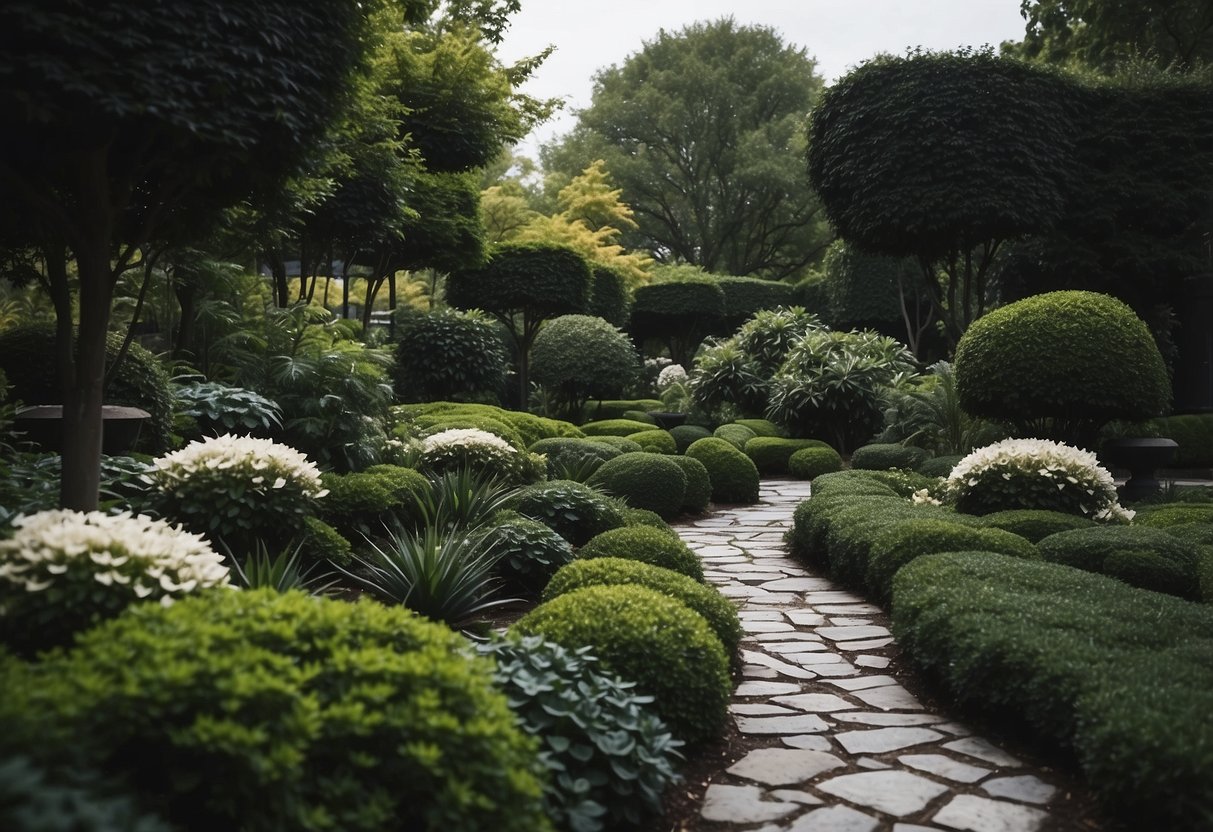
(702, 131)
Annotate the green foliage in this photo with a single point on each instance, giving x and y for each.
(639, 416)
(454, 449)
(447, 354)
(609, 757)
(679, 312)
(614, 427)
(1144, 557)
(717, 610)
(880, 457)
(620, 443)
(645, 480)
(609, 298)
(530, 428)
(1194, 435)
(575, 511)
(864, 289)
(769, 335)
(724, 372)
(927, 414)
(646, 545)
(810, 463)
(1043, 648)
(1034, 524)
(745, 296)
(528, 552)
(699, 484)
(428, 425)
(669, 651)
(463, 498)
(573, 455)
(644, 517)
(940, 466)
(1166, 515)
(579, 357)
(1060, 365)
(366, 503)
(735, 434)
(761, 427)
(281, 571)
(734, 475)
(615, 408)
(36, 798)
(772, 453)
(684, 435)
(257, 710)
(655, 441)
(217, 408)
(321, 543)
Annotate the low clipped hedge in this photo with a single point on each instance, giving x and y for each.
(810, 463)
(717, 610)
(656, 441)
(639, 416)
(1143, 557)
(438, 422)
(668, 650)
(939, 466)
(699, 485)
(259, 710)
(615, 427)
(564, 452)
(1034, 524)
(734, 475)
(881, 457)
(1118, 678)
(644, 517)
(646, 545)
(684, 435)
(575, 511)
(619, 443)
(761, 427)
(530, 427)
(645, 480)
(615, 408)
(735, 434)
(771, 453)
(363, 503)
(1173, 514)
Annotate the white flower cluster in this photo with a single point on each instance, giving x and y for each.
(262, 463)
(673, 374)
(457, 438)
(135, 555)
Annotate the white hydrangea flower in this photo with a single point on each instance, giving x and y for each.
(673, 374)
(455, 438)
(257, 461)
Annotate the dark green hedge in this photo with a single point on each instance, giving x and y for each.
(548, 280)
(1194, 435)
(881, 457)
(743, 296)
(1144, 557)
(771, 453)
(733, 474)
(609, 296)
(644, 480)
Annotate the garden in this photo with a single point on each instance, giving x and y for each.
(272, 559)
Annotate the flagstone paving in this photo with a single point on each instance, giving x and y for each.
(843, 747)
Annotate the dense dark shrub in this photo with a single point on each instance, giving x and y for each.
(735, 434)
(734, 475)
(209, 408)
(680, 313)
(1194, 435)
(1148, 558)
(645, 480)
(620, 443)
(574, 511)
(531, 428)
(812, 462)
(646, 545)
(655, 441)
(1034, 525)
(639, 416)
(38, 798)
(446, 354)
(579, 357)
(883, 457)
(609, 298)
(563, 454)
(1061, 364)
(667, 649)
(684, 435)
(364, 503)
(321, 544)
(254, 710)
(706, 600)
(771, 453)
(614, 427)
(528, 552)
(761, 427)
(744, 296)
(939, 466)
(1173, 514)
(699, 484)
(644, 517)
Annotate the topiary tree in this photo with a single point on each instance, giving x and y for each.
(680, 313)
(744, 296)
(878, 292)
(524, 285)
(576, 357)
(1061, 365)
(609, 297)
(448, 355)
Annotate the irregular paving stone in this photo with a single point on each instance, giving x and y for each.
(756, 671)
(880, 740)
(796, 796)
(954, 728)
(878, 662)
(913, 827)
(832, 597)
(895, 792)
(1027, 788)
(885, 719)
(793, 636)
(741, 804)
(809, 742)
(761, 615)
(815, 702)
(765, 688)
(871, 763)
(850, 633)
(946, 767)
(804, 618)
(791, 585)
(849, 609)
(799, 724)
(757, 709)
(983, 750)
(849, 622)
(979, 814)
(867, 644)
(840, 669)
(889, 698)
(800, 646)
(780, 598)
(865, 682)
(804, 657)
(752, 657)
(783, 766)
(834, 819)
(752, 626)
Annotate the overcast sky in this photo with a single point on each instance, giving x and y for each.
(838, 33)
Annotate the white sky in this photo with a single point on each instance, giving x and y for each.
(838, 33)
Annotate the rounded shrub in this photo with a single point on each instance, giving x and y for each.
(446, 354)
(1061, 364)
(609, 756)
(853, 484)
(528, 552)
(771, 453)
(940, 466)
(481, 451)
(810, 463)
(321, 543)
(668, 650)
(645, 480)
(699, 485)
(881, 457)
(565, 454)
(651, 519)
(614, 427)
(615, 408)
(578, 357)
(655, 441)
(364, 503)
(761, 427)
(1147, 558)
(258, 710)
(1173, 514)
(619, 443)
(646, 545)
(717, 610)
(639, 416)
(575, 511)
(734, 475)
(684, 435)
(735, 434)
(1034, 525)
(431, 424)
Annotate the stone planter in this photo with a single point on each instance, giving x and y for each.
(120, 427)
(1143, 458)
(667, 420)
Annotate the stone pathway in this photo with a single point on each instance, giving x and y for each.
(844, 747)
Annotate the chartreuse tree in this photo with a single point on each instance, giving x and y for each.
(132, 121)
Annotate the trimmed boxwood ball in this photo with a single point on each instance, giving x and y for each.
(735, 434)
(647, 545)
(619, 443)
(717, 610)
(1034, 524)
(684, 435)
(260, 710)
(644, 517)
(810, 463)
(699, 485)
(563, 452)
(734, 475)
(639, 416)
(1070, 361)
(761, 427)
(645, 480)
(575, 511)
(939, 466)
(614, 427)
(321, 543)
(1146, 558)
(655, 441)
(881, 457)
(668, 650)
(446, 353)
(362, 503)
(579, 356)
(771, 453)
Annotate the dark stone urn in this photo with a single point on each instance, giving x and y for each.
(1143, 458)
(120, 427)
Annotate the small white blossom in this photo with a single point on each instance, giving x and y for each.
(239, 457)
(465, 437)
(673, 374)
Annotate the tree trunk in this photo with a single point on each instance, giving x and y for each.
(187, 296)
